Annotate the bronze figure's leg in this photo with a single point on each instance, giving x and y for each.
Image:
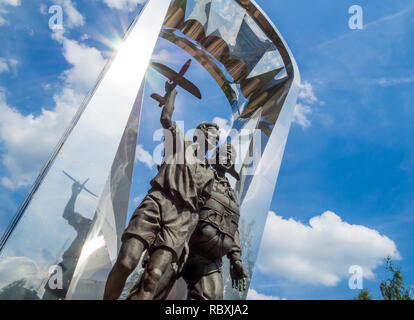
(160, 260)
(128, 258)
(164, 287)
(208, 287)
(138, 236)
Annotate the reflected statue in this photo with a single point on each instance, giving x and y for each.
(215, 236)
(165, 219)
(18, 290)
(70, 257)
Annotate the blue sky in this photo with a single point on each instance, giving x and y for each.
(350, 154)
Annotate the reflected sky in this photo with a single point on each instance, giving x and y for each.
(188, 109)
(104, 119)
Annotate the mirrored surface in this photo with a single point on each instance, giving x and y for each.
(101, 172)
(46, 239)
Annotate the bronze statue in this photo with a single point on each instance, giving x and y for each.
(215, 236)
(166, 217)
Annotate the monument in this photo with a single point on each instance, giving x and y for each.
(242, 51)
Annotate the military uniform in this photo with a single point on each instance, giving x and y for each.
(215, 236)
(169, 213)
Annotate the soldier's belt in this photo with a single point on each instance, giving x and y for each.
(217, 205)
(222, 221)
(200, 270)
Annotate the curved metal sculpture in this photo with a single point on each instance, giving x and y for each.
(242, 50)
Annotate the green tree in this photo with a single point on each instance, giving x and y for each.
(364, 295)
(394, 287)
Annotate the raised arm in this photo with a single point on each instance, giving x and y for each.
(69, 210)
(168, 110)
(175, 141)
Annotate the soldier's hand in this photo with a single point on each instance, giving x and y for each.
(238, 276)
(76, 188)
(169, 87)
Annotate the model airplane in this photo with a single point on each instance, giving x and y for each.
(176, 79)
(82, 185)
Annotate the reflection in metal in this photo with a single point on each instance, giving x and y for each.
(242, 50)
(99, 144)
(103, 242)
(223, 79)
(71, 255)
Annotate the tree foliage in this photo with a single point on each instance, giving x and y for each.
(394, 288)
(364, 295)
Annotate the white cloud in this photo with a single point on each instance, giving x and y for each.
(384, 82)
(4, 3)
(371, 25)
(138, 199)
(300, 115)
(13, 62)
(144, 156)
(162, 55)
(322, 252)
(306, 93)
(86, 63)
(270, 61)
(254, 295)
(6, 65)
(29, 139)
(13, 3)
(84, 37)
(72, 17)
(124, 4)
(302, 111)
(225, 127)
(43, 8)
(18, 268)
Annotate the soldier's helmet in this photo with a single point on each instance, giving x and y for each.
(207, 134)
(225, 156)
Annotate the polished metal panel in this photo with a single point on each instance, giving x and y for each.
(237, 44)
(52, 226)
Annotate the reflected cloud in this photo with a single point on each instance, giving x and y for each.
(13, 269)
